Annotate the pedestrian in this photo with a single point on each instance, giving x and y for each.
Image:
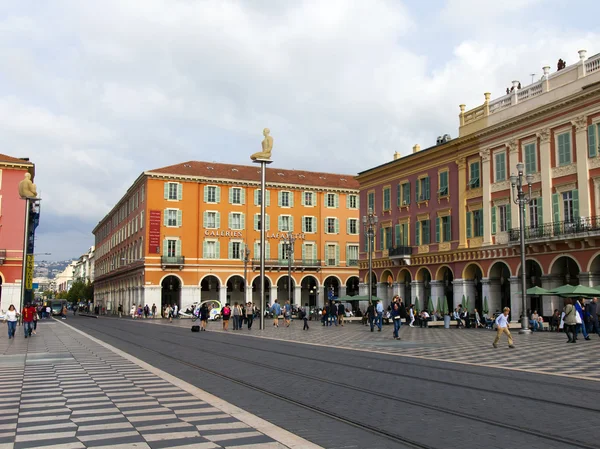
(27, 313)
(396, 319)
(48, 312)
(379, 310)
(371, 315)
(153, 311)
(226, 316)
(276, 310)
(175, 311)
(287, 315)
(305, 314)
(132, 312)
(204, 314)
(570, 321)
(237, 311)
(11, 320)
(581, 319)
(341, 311)
(249, 314)
(411, 313)
(592, 311)
(502, 328)
(120, 310)
(169, 313)
(146, 311)
(34, 322)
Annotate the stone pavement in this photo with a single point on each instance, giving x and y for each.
(540, 352)
(61, 389)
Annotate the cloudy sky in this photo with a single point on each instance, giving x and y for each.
(97, 92)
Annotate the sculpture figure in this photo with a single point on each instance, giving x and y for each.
(27, 188)
(267, 146)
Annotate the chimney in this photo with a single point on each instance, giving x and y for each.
(396, 155)
(416, 148)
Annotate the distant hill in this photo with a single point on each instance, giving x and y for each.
(50, 269)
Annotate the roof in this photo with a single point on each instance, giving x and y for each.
(14, 160)
(252, 173)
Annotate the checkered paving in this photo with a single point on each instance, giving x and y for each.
(60, 389)
(540, 352)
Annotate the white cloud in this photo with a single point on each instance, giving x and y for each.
(103, 91)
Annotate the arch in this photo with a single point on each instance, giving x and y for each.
(256, 279)
(352, 285)
(332, 285)
(387, 276)
(497, 265)
(171, 293)
(171, 274)
(527, 263)
(329, 276)
(210, 275)
(554, 265)
(231, 276)
(285, 292)
(402, 274)
(373, 277)
(439, 274)
(421, 274)
(2, 279)
(593, 265)
(470, 270)
(306, 276)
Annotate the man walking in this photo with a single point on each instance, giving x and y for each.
(28, 312)
(502, 323)
(371, 315)
(120, 310)
(249, 314)
(276, 311)
(592, 311)
(153, 310)
(341, 311)
(305, 314)
(379, 315)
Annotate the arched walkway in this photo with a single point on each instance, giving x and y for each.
(309, 291)
(404, 281)
(256, 293)
(171, 291)
(567, 269)
(473, 274)
(284, 285)
(332, 287)
(499, 277)
(352, 286)
(209, 288)
(235, 290)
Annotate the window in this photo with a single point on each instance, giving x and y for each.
(171, 247)
(567, 198)
(212, 220)
(401, 234)
(257, 250)
(530, 158)
(352, 224)
(212, 194)
(443, 190)
(332, 255)
(173, 191)
(405, 194)
(535, 218)
(446, 229)
(475, 223)
(309, 252)
(387, 198)
(422, 189)
(352, 201)
(257, 197)
(423, 234)
(285, 199)
(386, 238)
(236, 195)
(308, 199)
(371, 201)
(504, 218)
(474, 181)
(352, 255)
(235, 250)
(593, 134)
(172, 217)
(332, 200)
(210, 249)
(236, 221)
(564, 148)
(500, 166)
(332, 226)
(309, 225)
(257, 222)
(286, 223)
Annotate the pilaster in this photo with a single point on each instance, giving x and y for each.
(515, 298)
(545, 174)
(437, 291)
(486, 294)
(223, 295)
(417, 291)
(550, 303)
(512, 149)
(363, 289)
(485, 182)
(298, 295)
(460, 289)
(462, 202)
(382, 292)
(581, 146)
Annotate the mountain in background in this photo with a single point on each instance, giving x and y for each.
(50, 269)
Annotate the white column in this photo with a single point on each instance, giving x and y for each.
(342, 291)
(485, 183)
(495, 296)
(273, 295)
(459, 289)
(298, 295)
(583, 183)
(585, 279)
(485, 294)
(321, 297)
(363, 289)
(397, 289)
(470, 291)
(223, 294)
(546, 174)
(382, 293)
(437, 291)
(417, 290)
(515, 299)
(551, 302)
(513, 150)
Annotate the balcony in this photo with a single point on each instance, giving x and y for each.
(352, 263)
(172, 262)
(282, 264)
(400, 252)
(561, 229)
(2, 256)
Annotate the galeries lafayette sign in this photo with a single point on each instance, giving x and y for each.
(240, 234)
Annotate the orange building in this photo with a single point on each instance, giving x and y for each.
(181, 233)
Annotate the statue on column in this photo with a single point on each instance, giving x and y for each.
(27, 188)
(267, 146)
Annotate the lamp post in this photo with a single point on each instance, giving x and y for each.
(288, 246)
(370, 223)
(521, 199)
(246, 260)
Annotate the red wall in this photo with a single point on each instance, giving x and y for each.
(12, 221)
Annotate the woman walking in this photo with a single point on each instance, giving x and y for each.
(11, 319)
(237, 314)
(204, 313)
(226, 315)
(396, 318)
(412, 315)
(570, 321)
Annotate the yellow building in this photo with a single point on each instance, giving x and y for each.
(181, 234)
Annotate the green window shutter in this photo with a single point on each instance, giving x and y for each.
(437, 229)
(418, 233)
(325, 227)
(508, 217)
(256, 220)
(417, 190)
(493, 220)
(256, 251)
(575, 193)
(178, 248)
(555, 208)
(217, 249)
(407, 193)
(448, 229)
(204, 244)
(256, 197)
(180, 191)
(292, 198)
(303, 224)
(444, 181)
(230, 250)
(230, 197)
(540, 213)
(337, 225)
(165, 247)
(217, 220)
(398, 195)
(303, 199)
(592, 141)
(268, 194)
(337, 255)
(397, 236)
(304, 251)
(166, 190)
(427, 190)
(279, 223)
(347, 226)
(426, 233)
(314, 222)
(381, 237)
(205, 218)
(279, 195)
(243, 196)
(347, 201)
(165, 217)
(267, 250)
(337, 200)
(469, 232)
(218, 196)
(242, 221)
(291, 223)
(229, 220)
(267, 222)
(179, 218)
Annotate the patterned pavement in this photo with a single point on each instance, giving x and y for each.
(61, 389)
(540, 352)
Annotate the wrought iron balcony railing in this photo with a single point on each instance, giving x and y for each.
(2, 256)
(283, 263)
(567, 228)
(167, 261)
(400, 251)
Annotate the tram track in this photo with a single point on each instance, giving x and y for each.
(329, 413)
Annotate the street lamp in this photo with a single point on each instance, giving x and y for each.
(314, 290)
(246, 260)
(521, 199)
(370, 223)
(288, 246)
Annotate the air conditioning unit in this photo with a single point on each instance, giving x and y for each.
(405, 203)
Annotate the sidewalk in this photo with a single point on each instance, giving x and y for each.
(63, 389)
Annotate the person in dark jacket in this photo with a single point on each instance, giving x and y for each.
(204, 314)
(592, 313)
(396, 318)
(371, 316)
(341, 311)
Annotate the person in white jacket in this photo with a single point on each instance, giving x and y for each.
(11, 319)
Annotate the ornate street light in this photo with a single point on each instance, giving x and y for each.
(246, 260)
(370, 223)
(522, 199)
(288, 246)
